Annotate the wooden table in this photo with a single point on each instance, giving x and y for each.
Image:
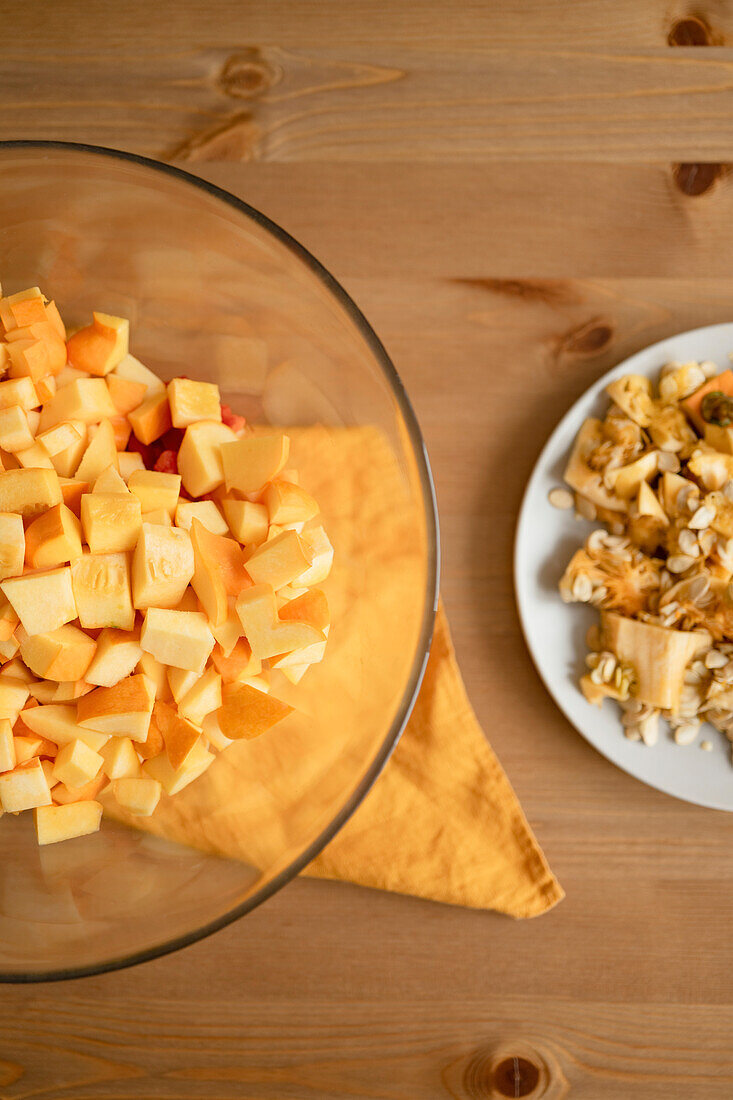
(497, 186)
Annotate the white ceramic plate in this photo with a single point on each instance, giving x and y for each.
(555, 632)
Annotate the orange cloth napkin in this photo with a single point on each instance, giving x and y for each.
(442, 820)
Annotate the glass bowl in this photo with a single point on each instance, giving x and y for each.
(214, 290)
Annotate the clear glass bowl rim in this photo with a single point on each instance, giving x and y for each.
(433, 572)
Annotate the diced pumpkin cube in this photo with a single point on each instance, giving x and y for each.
(34, 457)
(13, 696)
(123, 709)
(155, 490)
(172, 779)
(8, 758)
(101, 453)
(319, 550)
(201, 699)
(133, 370)
(180, 736)
(45, 388)
(162, 566)
(213, 734)
(238, 664)
(85, 399)
(267, 634)
(56, 823)
(159, 518)
(64, 795)
(12, 545)
(117, 655)
(66, 462)
(193, 401)
(15, 432)
(139, 796)
(154, 744)
(26, 748)
(98, 348)
(128, 462)
(248, 522)
(229, 632)
(279, 561)
(53, 539)
(122, 431)
(22, 308)
(120, 759)
(19, 391)
(101, 585)
(111, 521)
(205, 511)
(199, 456)
(288, 503)
(76, 764)
(58, 723)
(42, 601)
(54, 319)
(8, 649)
(251, 462)
(179, 638)
(24, 788)
(126, 393)
(31, 358)
(61, 691)
(156, 672)
(64, 654)
(110, 481)
(152, 419)
(180, 680)
(248, 713)
(71, 492)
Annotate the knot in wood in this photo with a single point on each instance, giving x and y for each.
(248, 74)
(588, 339)
(696, 179)
(488, 1077)
(690, 31)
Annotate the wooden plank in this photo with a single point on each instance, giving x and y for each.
(262, 100)
(502, 221)
(446, 1050)
(541, 24)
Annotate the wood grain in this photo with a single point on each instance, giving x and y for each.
(304, 83)
(498, 186)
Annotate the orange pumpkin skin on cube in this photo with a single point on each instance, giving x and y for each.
(28, 311)
(179, 735)
(88, 350)
(248, 713)
(311, 607)
(152, 419)
(53, 539)
(126, 394)
(54, 319)
(64, 796)
(99, 347)
(693, 404)
(155, 743)
(239, 662)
